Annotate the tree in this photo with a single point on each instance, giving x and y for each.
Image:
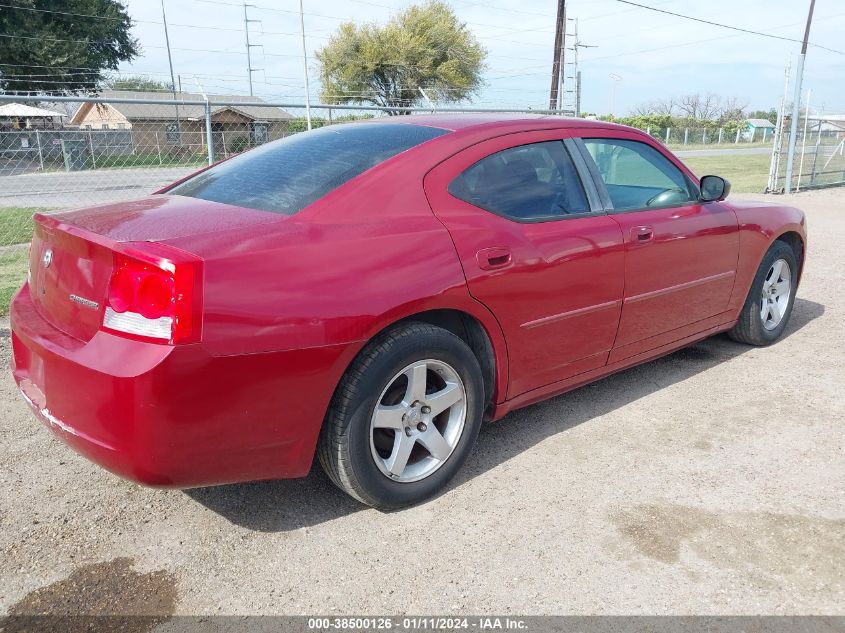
(63, 46)
(421, 47)
(698, 106)
(732, 109)
(140, 83)
(659, 107)
(770, 115)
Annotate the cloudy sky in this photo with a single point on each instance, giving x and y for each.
(655, 55)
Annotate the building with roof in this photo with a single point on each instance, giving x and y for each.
(19, 116)
(165, 124)
(758, 129)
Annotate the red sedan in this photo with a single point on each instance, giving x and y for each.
(371, 292)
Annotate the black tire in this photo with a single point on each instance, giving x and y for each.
(749, 328)
(344, 447)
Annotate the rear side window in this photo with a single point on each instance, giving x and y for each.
(287, 175)
(533, 182)
(637, 176)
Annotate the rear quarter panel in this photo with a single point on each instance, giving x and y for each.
(366, 255)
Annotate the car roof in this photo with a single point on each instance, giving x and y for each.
(480, 120)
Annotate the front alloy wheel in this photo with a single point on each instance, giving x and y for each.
(777, 290)
(768, 305)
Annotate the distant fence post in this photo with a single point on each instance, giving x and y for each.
(223, 141)
(208, 132)
(648, 130)
(753, 131)
(720, 135)
(91, 147)
(704, 137)
(158, 149)
(686, 135)
(40, 155)
(668, 131)
(738, 132)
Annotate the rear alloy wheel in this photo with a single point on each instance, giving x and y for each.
(769, 304)
(404, 417)
(418, 421)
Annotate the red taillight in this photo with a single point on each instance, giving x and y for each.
(155, 294)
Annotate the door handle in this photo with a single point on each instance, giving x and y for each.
(492, 258)
(642, 234)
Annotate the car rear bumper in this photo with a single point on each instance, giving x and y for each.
(174, 416)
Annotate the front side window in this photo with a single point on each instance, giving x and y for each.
(637, 176)
(287, 175)
(532, 182)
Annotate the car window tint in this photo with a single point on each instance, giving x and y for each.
(287, 175)
(529, 182)
(637, 176)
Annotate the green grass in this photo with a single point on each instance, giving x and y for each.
(748, 173)
(13, 267)
(16, 224)
(680, 147)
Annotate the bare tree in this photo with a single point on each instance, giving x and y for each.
(732, 109)
(698, 106)
(659, 107)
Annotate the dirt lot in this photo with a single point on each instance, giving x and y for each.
(711, 481)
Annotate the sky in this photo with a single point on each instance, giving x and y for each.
(653, 55)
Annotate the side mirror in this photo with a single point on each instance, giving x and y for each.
(714, 188)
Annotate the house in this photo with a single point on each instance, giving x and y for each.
(18, 116)
(157, 126)
(758, 129)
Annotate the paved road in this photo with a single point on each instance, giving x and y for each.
(708, 482)
(81, 188)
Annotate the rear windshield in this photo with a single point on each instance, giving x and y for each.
(286, 176)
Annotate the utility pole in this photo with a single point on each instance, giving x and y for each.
(578, 93)
(570, 99)
(249, 47)
(557, 62)
(796, 102)
(172, 78)
(615, 79)
(305, 67)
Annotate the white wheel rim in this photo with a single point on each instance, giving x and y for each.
(777, 289)
(418, 420)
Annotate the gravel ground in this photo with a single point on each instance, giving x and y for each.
(711, 481)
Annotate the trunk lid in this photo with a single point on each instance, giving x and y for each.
(71, 256)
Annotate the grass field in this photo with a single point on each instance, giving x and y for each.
(16, 224)
(13, 267)
(748, 173)
(15, 228)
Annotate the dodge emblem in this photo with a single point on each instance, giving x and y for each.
(47, 258)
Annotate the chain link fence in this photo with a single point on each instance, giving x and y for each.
(700, 137)
(819, 159)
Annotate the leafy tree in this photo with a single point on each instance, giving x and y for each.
(423, 46)
(770, 115)
(140, 83)
(62, 46)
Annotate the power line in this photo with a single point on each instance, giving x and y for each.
(725, 26)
